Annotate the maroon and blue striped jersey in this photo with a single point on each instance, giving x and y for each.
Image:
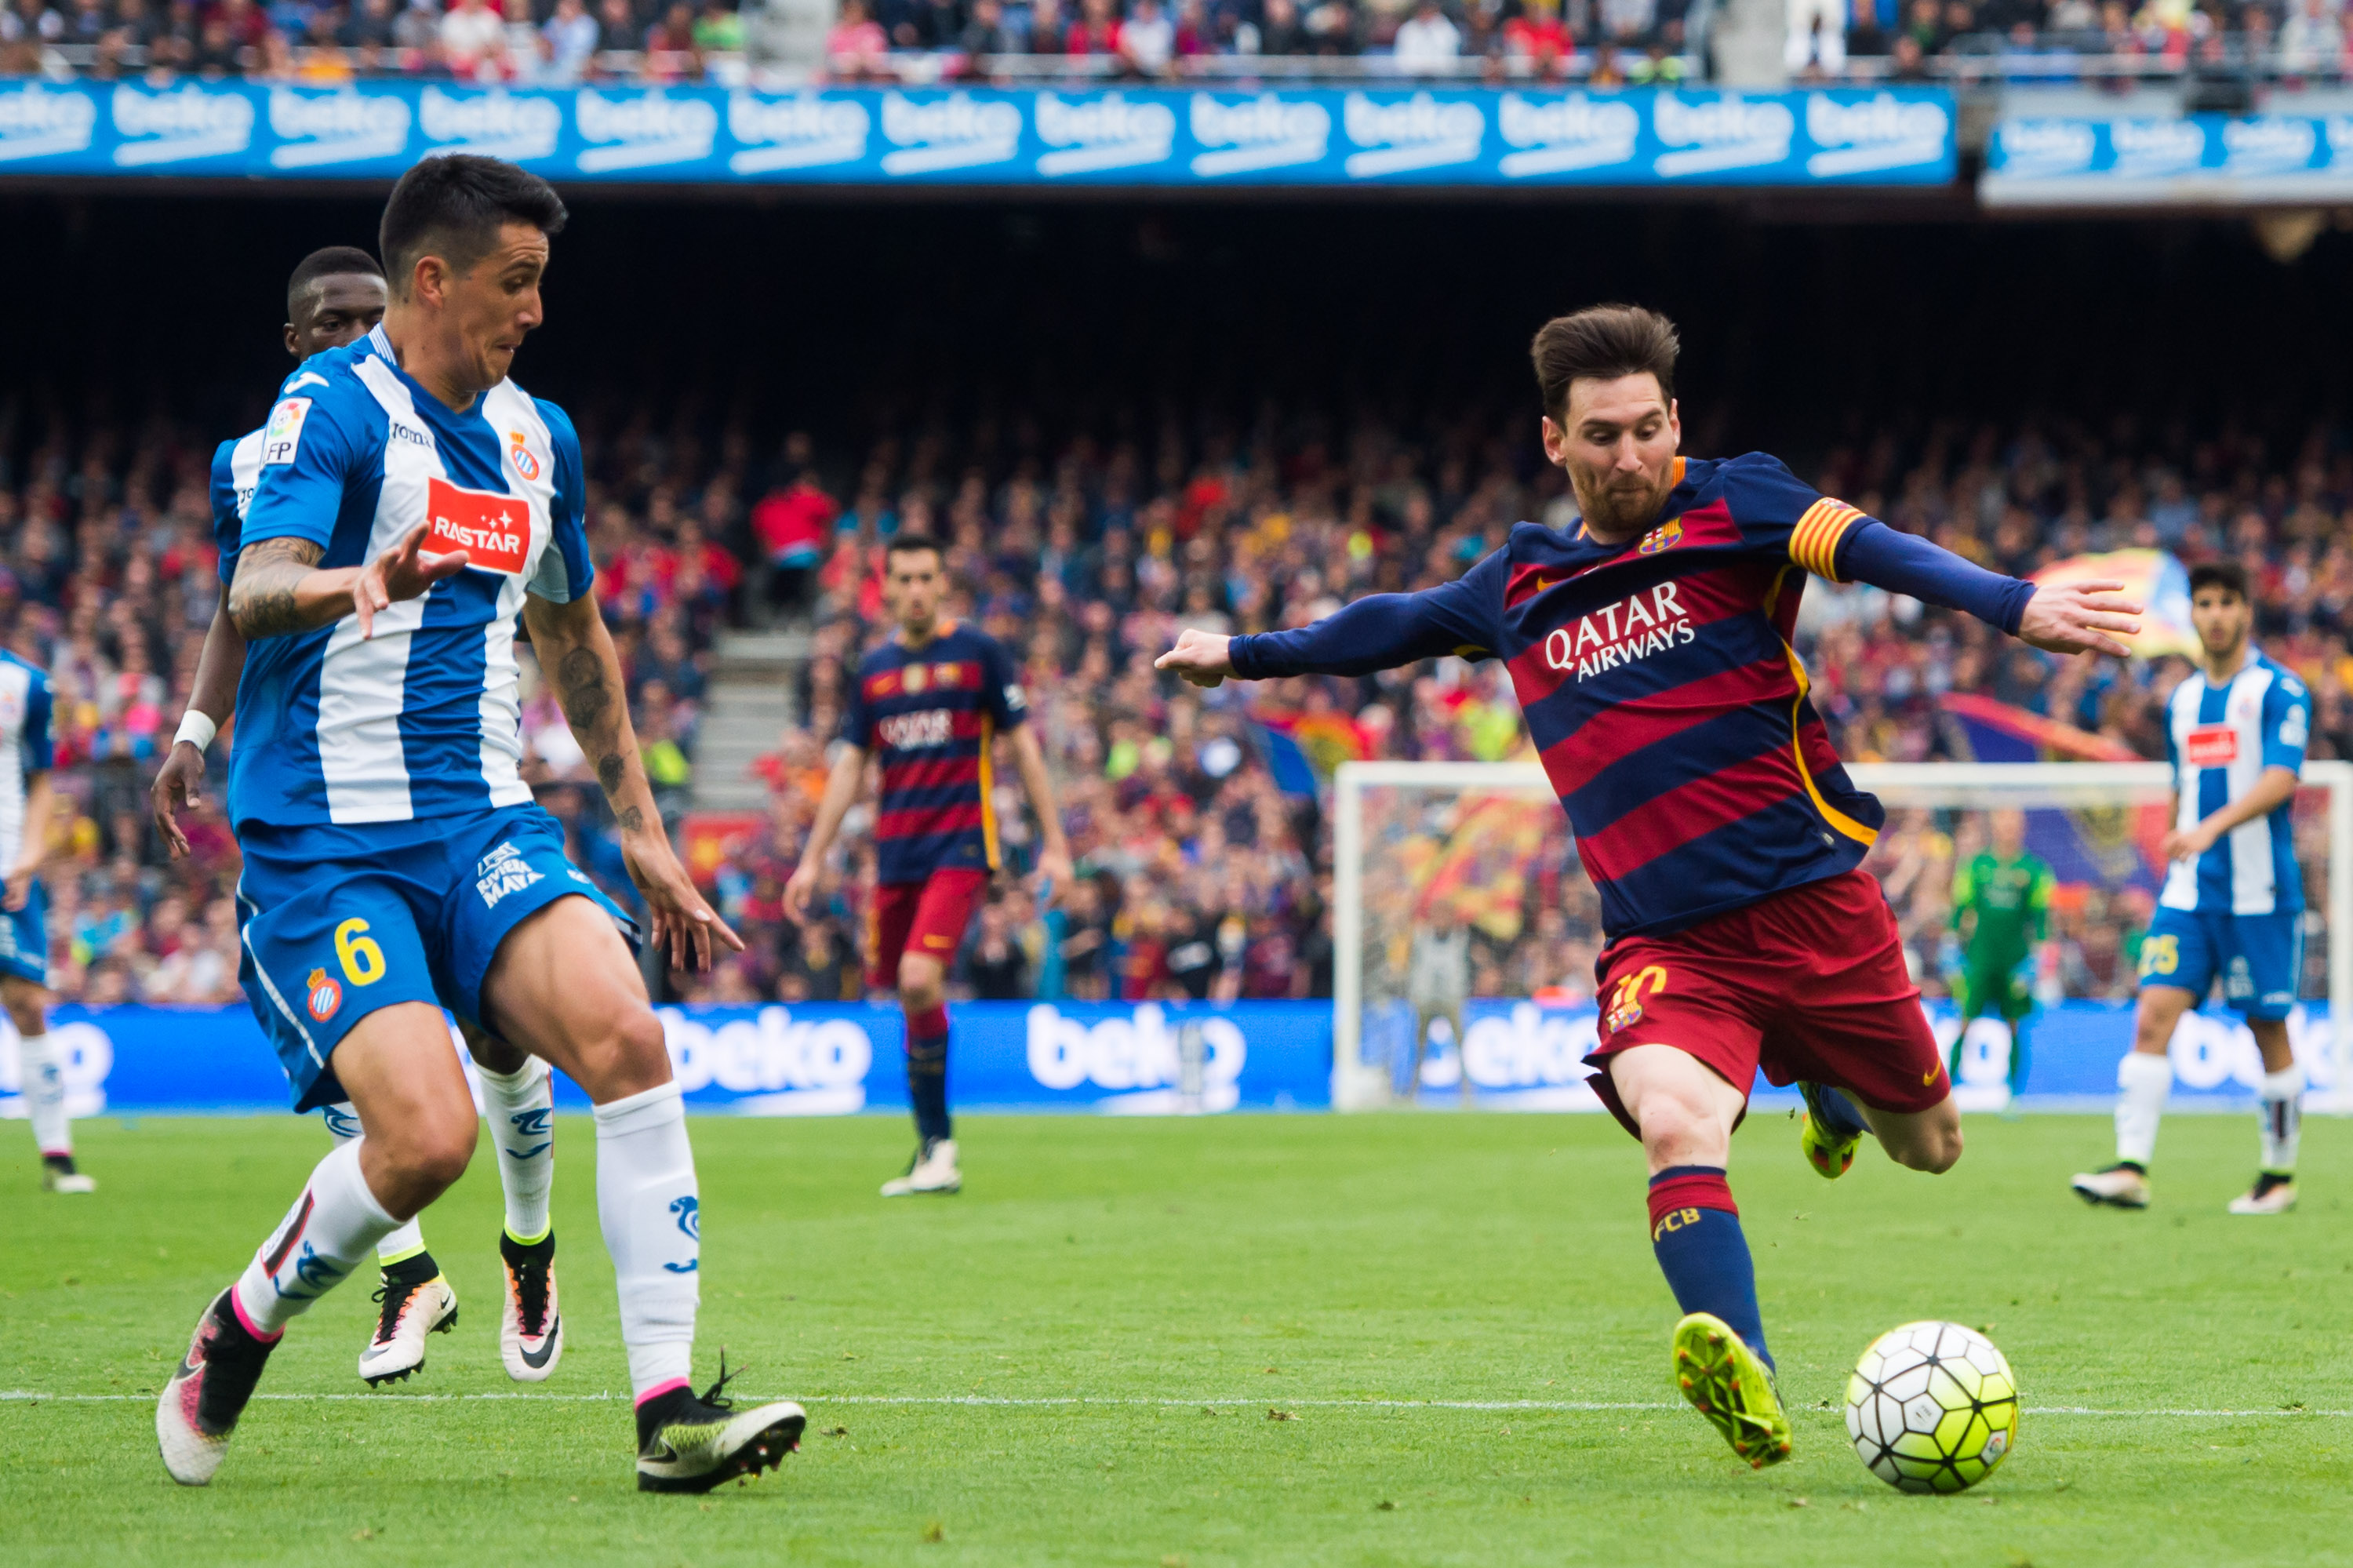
(928, 714)
(1659, 683)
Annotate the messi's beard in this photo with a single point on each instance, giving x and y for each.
(1620, 512)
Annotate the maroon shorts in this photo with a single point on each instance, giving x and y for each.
(929, 917)
(1808, 983)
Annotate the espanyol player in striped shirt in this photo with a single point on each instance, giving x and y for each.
(2233, 906)
(395, 862)
(1648, 647)
(24, 796)
(336, 296)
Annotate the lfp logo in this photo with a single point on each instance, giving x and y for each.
(1112, 131)
(1563, 135)
(1881, 133)
(1708, 135)
(179, 126)
(806, 130)
(1269, 132)
(38, 121)
(643, 130)
(929, 136)
(517, 127)
(1422, 133)
(325, 128)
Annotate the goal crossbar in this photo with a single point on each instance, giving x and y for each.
(1975, 785)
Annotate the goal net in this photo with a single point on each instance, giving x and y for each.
(1463, 878)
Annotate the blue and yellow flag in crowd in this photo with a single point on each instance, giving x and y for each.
(2152, 578)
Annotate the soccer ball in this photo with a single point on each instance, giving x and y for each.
(1932, 1407)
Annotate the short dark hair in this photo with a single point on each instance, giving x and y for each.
(1602, 343)
(2230, 577)
(908, 543)
(453, 207)
(332, 261)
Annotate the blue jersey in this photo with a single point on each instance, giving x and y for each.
(928, 715)
(236, 469)
(2220, 739)
(25, 747)
(424, 719)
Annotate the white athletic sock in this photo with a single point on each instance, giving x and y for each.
(45, 1093)
(2142, 1081)
(520, 1108)
(2283, 1118)
(332, 1229)
(650, 1210)
(402, 1242)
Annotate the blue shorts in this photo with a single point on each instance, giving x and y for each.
(2259, 958)
(25, 938)
(340, 921)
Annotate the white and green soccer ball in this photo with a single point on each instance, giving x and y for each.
(1932, 1407)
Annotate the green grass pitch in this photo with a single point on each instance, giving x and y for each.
(1143, 1299)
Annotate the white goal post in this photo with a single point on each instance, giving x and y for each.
(1357, 1084)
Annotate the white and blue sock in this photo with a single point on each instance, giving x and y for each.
(2142, 1082)
(45, 1094)
(405, 1241)
(650, 1210)
(333, 1228)
(2283, 1119)
(521, 1109)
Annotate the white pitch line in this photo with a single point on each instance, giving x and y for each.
(1565, 1406)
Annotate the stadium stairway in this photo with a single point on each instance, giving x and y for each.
(749, 700)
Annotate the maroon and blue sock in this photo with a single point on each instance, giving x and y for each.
(1696, 1232)
(927, 1072)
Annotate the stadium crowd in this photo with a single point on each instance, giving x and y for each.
(1204, 854)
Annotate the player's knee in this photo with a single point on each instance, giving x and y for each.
(1676, 1131)
(491, 1053)
(25, 1002)
(428, 1154)
(1935, 1148)
(922, 981)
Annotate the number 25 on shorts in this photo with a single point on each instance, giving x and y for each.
(2160, 956)
(361, 959)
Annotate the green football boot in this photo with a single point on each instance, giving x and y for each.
(1829, 1154)
(1731, 1386)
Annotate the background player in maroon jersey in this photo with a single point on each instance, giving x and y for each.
(928, 705)
(1649, 648)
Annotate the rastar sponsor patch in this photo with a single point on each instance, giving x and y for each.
(494, 530)
(2212, 746)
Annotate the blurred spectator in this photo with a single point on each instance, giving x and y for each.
(474, 41)
(1427, 41)
(1148, 40)
(857, 44)
(569, 38)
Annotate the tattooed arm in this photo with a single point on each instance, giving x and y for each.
(576, 653)
(280, 589)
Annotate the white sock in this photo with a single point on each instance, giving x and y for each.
(650, 1210)
(332, 1229)
(520, 1108)
(2142, 1081)
(402, 1242)
(2283, 1118)
(45, 1093)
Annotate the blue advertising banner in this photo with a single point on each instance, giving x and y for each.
(1523, 1057)
(1110, 1058)
(988, 136)
(1117, 1059)
(2194, 160)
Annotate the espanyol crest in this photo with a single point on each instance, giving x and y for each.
(520, 455)
(326, 996)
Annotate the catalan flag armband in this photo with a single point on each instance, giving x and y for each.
(1814, 542)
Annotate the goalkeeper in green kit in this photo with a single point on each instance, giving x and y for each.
(2002, 909)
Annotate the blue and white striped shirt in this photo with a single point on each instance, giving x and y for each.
(2220, 739)
(423, 720)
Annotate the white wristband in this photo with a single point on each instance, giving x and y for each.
(196, 730)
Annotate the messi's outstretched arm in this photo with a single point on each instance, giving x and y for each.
(2059, 620)
(577, 654)
(1378, 632)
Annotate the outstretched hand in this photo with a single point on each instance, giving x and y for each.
(2077, 620)
(1202, 658)
(406, 571)
(685, 925)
